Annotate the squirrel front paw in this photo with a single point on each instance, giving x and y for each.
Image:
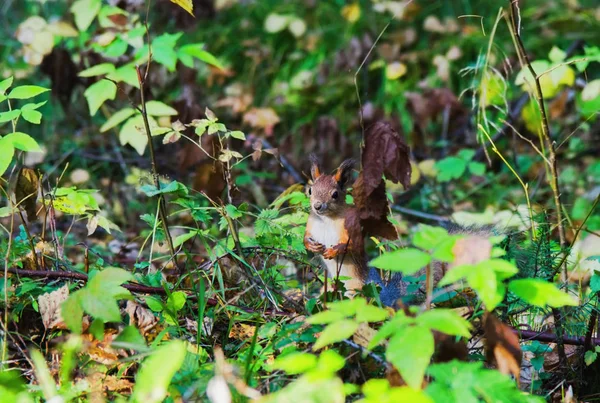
(313, 246)
(330, 253)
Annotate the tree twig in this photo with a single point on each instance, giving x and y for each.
(162, 210)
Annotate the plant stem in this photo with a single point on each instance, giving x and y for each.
(162, 210)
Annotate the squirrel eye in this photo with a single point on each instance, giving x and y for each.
(309, 191)
(334, 195)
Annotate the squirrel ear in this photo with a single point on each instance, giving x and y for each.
(343, 173)
(315, 171)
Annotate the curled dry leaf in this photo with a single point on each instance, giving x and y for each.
(141, 317)
(50, 308)
(241, 331)
(384, 153)
(502, 346)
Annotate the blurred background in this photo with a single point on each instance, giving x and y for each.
(309, 76)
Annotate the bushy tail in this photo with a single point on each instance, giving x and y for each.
(390, 291)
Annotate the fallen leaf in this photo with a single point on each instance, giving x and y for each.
(433, 24)
(395, 70)
(141, 317)
(262, 118)
(50, 308)
(502, 346)
(351, 12)
(79, 176)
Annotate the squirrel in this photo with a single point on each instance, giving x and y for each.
(331, 233)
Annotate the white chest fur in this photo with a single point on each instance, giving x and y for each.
(325, 231)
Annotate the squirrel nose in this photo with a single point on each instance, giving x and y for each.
(318, 206)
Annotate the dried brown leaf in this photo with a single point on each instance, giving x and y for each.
(26, 191)
(502, 346)
(50, 307)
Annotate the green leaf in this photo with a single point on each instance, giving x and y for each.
(10, 115)
(233, 211)
(501, 267)
(446, 321)
(326, 317)
(156, 372)
(370, 313)
(154, 304)
(98, 70)
(450, 168)
(477, 168)
(117, 118)
(595, 282)
(336, 332)
(330, 362)
(133, 133)
(236, 134)
(26, 91)
(180, 239)
(163, 50)
(171, 187)
(102, 292)
(157, 108)
(22, 141)
(98, 93)
(176, 301)
(72, 312)
(32, 116)
(410, 352)
(444, 251)
(428, 237)
(196, 51)
(590, 357)
(5, 84)
(126, 74)
(131, 335)
(540, 293)
(85, 11)
(295, 363)
(97, 329)
(483, 280)
(407, 261)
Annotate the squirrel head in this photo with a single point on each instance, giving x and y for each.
(328, 192)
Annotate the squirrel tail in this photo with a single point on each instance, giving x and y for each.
(390, 291)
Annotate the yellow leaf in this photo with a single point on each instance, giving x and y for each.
(492, 89)
(187, 5)
(395, 70)
(532, 117)
(351, 12)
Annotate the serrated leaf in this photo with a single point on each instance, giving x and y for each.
(98, 93)
(26, 91)
(117, 118)
(157, 108)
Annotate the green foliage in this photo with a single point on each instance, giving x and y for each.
(98, 298)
